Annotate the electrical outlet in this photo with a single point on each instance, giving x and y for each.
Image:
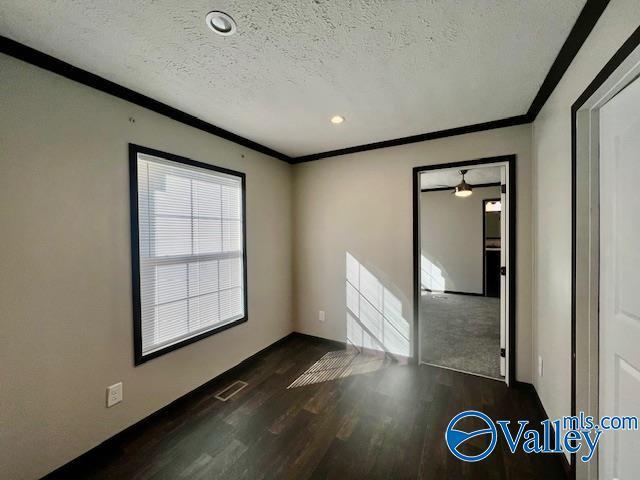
(540, 366)
(321, 315)
(114, 394)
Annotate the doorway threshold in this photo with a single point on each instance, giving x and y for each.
(462, 371)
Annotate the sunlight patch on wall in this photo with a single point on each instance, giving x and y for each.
(374, 315)
(431, 276)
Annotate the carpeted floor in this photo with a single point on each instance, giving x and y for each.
(461, 332)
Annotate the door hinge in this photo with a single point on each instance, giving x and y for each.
(503, 352)
(503, 271)
(503, 188)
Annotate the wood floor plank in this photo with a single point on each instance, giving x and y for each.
(350, 418)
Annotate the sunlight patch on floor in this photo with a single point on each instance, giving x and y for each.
(339, 364)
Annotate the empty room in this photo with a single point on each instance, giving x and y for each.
(319, 239)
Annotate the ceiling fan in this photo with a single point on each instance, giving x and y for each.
(463, 189)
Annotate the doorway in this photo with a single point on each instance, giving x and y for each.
(491, 246)
(606, 266)
(464, 266)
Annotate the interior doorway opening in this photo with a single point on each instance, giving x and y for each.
(491, 246)
(464, 283)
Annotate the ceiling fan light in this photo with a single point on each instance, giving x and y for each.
(463, 189)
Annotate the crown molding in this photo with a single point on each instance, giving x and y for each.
(478, 127)
(52, 64)
(589, 16)
(583, 26)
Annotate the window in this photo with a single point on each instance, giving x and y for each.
(188, 251)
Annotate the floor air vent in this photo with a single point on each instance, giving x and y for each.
(231, 390)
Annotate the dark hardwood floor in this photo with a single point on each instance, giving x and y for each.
(381, 419)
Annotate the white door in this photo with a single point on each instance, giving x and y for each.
(619, 455)
(503, 279)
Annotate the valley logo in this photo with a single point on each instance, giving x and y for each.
(568, 434)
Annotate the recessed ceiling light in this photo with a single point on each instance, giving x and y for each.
(221, 23)
(337, 119)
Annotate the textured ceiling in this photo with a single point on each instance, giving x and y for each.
(392, 68)
(452, 177)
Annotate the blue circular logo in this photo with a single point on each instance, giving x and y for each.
(455, 438)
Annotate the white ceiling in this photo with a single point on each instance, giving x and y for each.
(392, 68)
(452, 177)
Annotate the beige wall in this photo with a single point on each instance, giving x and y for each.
(361, 204)
(65, 293)
(451, 239)
(551, 154)
(65, 289)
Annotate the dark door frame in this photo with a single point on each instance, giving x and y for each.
(484, 239)
(511, 287)
(626, 49)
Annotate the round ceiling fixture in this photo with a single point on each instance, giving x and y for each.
(221, 23)
(337, 119)
(463, 189)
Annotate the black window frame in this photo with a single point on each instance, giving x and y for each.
(134, 150)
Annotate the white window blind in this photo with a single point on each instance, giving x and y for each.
(190, 251)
